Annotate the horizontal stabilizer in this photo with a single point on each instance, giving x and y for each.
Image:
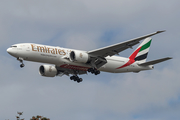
(154, 61)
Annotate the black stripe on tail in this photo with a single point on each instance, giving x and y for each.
(141, 57)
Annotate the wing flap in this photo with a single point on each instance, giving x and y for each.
(155, 61)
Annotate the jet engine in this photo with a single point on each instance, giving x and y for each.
(79, 56)
(47, 70)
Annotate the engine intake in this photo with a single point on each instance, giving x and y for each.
(79, 56)
(47, 70)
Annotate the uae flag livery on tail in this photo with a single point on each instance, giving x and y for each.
(140, 54)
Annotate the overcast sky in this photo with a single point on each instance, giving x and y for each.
(88, 25)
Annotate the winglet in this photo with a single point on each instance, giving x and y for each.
(161, 31)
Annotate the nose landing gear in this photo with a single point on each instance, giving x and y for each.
(22, 65)
(21, 61)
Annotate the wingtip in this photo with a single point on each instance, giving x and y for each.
(160, 31)
(169, 57)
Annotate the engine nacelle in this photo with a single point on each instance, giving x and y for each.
(79, 56)
(47, 70)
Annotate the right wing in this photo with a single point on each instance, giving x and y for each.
(116, 48)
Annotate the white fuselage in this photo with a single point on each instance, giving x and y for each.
(58, 56)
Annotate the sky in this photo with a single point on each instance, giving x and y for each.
(88, 25)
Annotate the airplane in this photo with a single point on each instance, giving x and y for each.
(77, 62)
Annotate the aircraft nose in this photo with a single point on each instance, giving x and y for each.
(11, 51)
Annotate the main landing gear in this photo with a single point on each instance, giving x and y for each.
(21, 61)
(94, 71)
(76, 78)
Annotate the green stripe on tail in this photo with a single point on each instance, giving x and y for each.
(147, 45)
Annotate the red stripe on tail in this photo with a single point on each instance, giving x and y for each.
(131, 59)
(133, 55)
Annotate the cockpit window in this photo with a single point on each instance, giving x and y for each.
(13, 46)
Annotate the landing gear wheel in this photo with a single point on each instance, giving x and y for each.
(22, 65)
(76, 78)
(94, 71)
(21, 61)
(72, 77)
(97, 72)
(79, 80)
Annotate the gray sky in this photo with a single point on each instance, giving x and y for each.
(88, 25)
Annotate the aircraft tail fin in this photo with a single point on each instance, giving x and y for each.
(155, 61)
(140, 54)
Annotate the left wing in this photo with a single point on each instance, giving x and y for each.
(116, 48)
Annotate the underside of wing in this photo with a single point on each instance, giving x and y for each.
(116, 48)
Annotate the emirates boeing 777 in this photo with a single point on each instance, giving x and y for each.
(72, 62)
